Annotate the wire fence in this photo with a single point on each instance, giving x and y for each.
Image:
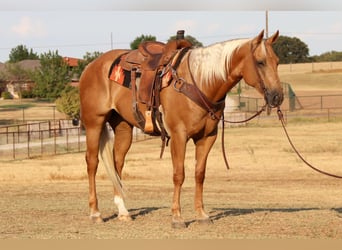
(37, 139)
(51, 137)
(317, 102)
(30, 144)
(34, 139)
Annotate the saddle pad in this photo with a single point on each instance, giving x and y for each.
(119, 75)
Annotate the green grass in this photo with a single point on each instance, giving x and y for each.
(17, 106)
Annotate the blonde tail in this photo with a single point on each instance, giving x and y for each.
(106, 156)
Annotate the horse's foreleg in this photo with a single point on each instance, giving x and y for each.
(122, 143)
(178, 145)
(203, 147)
(92, 160)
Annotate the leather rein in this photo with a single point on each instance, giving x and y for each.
(281, 118)
(196, 95)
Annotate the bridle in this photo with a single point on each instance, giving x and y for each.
(211, 108)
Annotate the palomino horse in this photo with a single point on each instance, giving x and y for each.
(214, 69)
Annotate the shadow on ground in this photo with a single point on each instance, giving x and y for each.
(219, 213)
(135, 213)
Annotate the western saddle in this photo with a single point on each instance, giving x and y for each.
(146, 65)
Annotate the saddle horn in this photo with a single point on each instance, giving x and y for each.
(180, 34)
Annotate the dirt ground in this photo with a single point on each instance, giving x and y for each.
(268, 193)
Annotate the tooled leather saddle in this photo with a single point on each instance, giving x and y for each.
(144, 67)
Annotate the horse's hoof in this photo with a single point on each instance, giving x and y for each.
(96, 219)
(125, 218)
(178, 223)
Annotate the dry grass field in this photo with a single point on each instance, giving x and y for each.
(28, 109)
(313, 79)
(267, 194)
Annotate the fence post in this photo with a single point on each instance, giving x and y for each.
(39, 128)
(79, 138)
(41, 142)
(321, 102)
(67, 140)
(50, 129)
(18, 129)
(28, 143)
(54, 139)
(13, 141)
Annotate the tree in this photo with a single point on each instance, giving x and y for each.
(191, 39)
(331, 56)
(291, 50)
(87, 58)
(140, 39)
(69, 103)
(52, 77)
(20, 53)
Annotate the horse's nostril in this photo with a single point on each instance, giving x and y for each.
(275, 99)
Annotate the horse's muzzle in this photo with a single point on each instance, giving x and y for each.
(274, 98)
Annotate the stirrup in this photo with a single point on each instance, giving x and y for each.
(148, 122)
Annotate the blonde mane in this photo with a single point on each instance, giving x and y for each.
(213, 61)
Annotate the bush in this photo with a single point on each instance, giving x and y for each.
(6, 95)
(69, 103)
(27, 94)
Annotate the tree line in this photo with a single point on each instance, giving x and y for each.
(52, 77)
(293, 50)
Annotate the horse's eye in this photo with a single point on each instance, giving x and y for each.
(261, 63)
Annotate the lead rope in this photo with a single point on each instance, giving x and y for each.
(227, 121)
(281, 118)
(222, 144)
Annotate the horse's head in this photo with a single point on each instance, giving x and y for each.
(259, 69)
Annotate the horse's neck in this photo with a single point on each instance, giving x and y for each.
(216, 87)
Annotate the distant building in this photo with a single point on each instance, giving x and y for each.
(16, 84)
(71, 61)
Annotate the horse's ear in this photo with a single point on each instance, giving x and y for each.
(273, 38)
(257, 40)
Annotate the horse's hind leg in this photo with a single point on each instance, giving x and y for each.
(122, 143)
(93, 136)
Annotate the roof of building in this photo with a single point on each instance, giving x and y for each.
(29, 64)
(24, 64)
(71, 61)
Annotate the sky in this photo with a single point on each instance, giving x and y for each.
(74, 27)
